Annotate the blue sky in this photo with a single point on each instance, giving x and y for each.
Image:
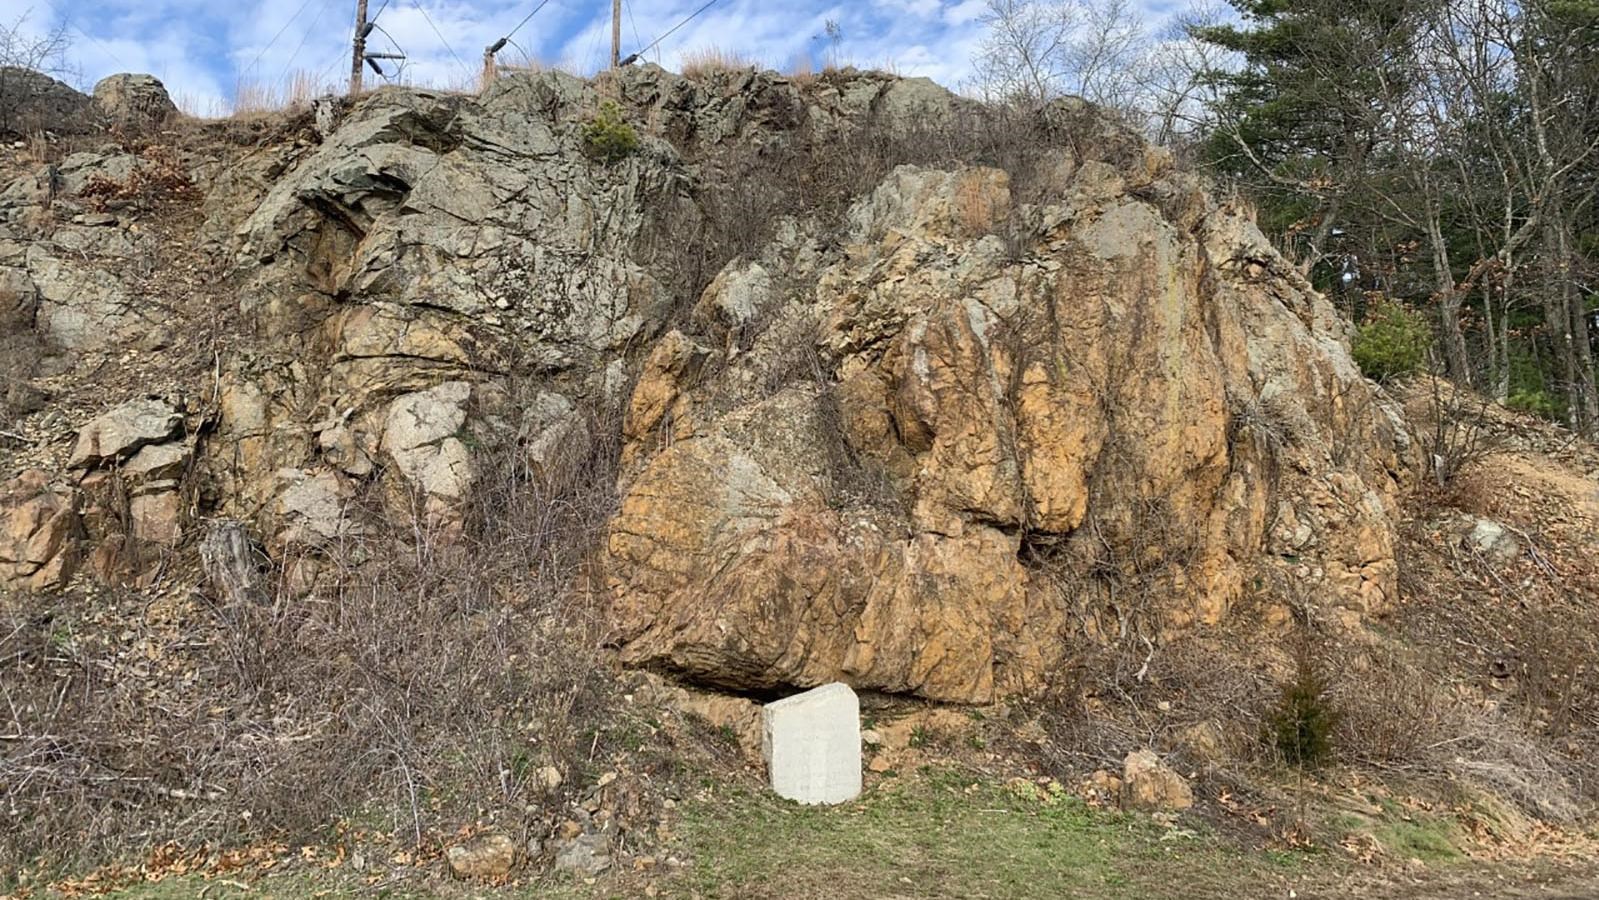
(203, 49)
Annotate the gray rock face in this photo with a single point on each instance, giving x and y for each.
(125, 429)
(32, 101)
(422, 435)
(426, 240)
(132, 100)
(68, 283)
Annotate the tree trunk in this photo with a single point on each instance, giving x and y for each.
(1558, 298)
(1493, 375)
(1456, 361)
(1581, 350)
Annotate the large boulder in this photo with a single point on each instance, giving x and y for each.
(1150, 785)
(948, 460)
(485, 858)
(134, 100)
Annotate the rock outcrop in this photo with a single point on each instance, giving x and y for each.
(943, 453)
(929, 449)
(38, 527)
(1150, 785)
(36, 102)
(134, 101)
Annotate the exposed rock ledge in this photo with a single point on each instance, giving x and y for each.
(928, 453)
(971, 459)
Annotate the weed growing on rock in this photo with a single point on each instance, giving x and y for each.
(607, 137)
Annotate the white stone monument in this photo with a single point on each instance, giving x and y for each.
(812, 745)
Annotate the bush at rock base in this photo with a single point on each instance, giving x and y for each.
(1393, 342)
(1301, 725)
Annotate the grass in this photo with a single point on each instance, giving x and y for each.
(705, 61)
(938, 833)
(1431, 840)
(942, 834)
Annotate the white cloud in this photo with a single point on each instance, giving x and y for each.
(204, 50)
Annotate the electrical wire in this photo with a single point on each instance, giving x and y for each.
(634, 22)
(275, 37)
(525, 19)
(442, 40)
(527, 58)
(692, 16)
(303, 38)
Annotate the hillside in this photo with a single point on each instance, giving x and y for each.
(426, 471)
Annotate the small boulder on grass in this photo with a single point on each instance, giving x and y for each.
(1152, 786)
(484, 858)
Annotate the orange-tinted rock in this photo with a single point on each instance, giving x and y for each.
(39, 527)
(992, 449)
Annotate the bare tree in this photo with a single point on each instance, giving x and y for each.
(1023, 57)
(30, 63)
(1038, 50)
(1177, 76)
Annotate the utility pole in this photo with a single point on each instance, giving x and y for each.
(359, 56)
(616, 32)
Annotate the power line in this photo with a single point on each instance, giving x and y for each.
(525, 19)
(436, 31)
(634, 22)
(634, 57)
(92, 39)
(303, 38)
(275, 37)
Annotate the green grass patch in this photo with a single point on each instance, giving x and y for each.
(943, 834)
(1428, 839)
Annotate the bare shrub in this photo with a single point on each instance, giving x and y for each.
(1395, 713)
(1407, 716)
(435, 663)
(746, 191)
(1192, 685)
(160, 180)
(31, 99)
(1455, 431)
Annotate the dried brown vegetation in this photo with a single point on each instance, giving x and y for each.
(436, 664)
(708, 60)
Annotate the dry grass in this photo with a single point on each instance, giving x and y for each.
(801, 69)
(707, 61)
(746, 192)
(256, 97)
(434, 665)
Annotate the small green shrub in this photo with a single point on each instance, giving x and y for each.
(1538, 403)
(1301, 725)
(607, 138)
(1393, 342)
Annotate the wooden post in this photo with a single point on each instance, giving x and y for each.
(616, 33)
(358, 56)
